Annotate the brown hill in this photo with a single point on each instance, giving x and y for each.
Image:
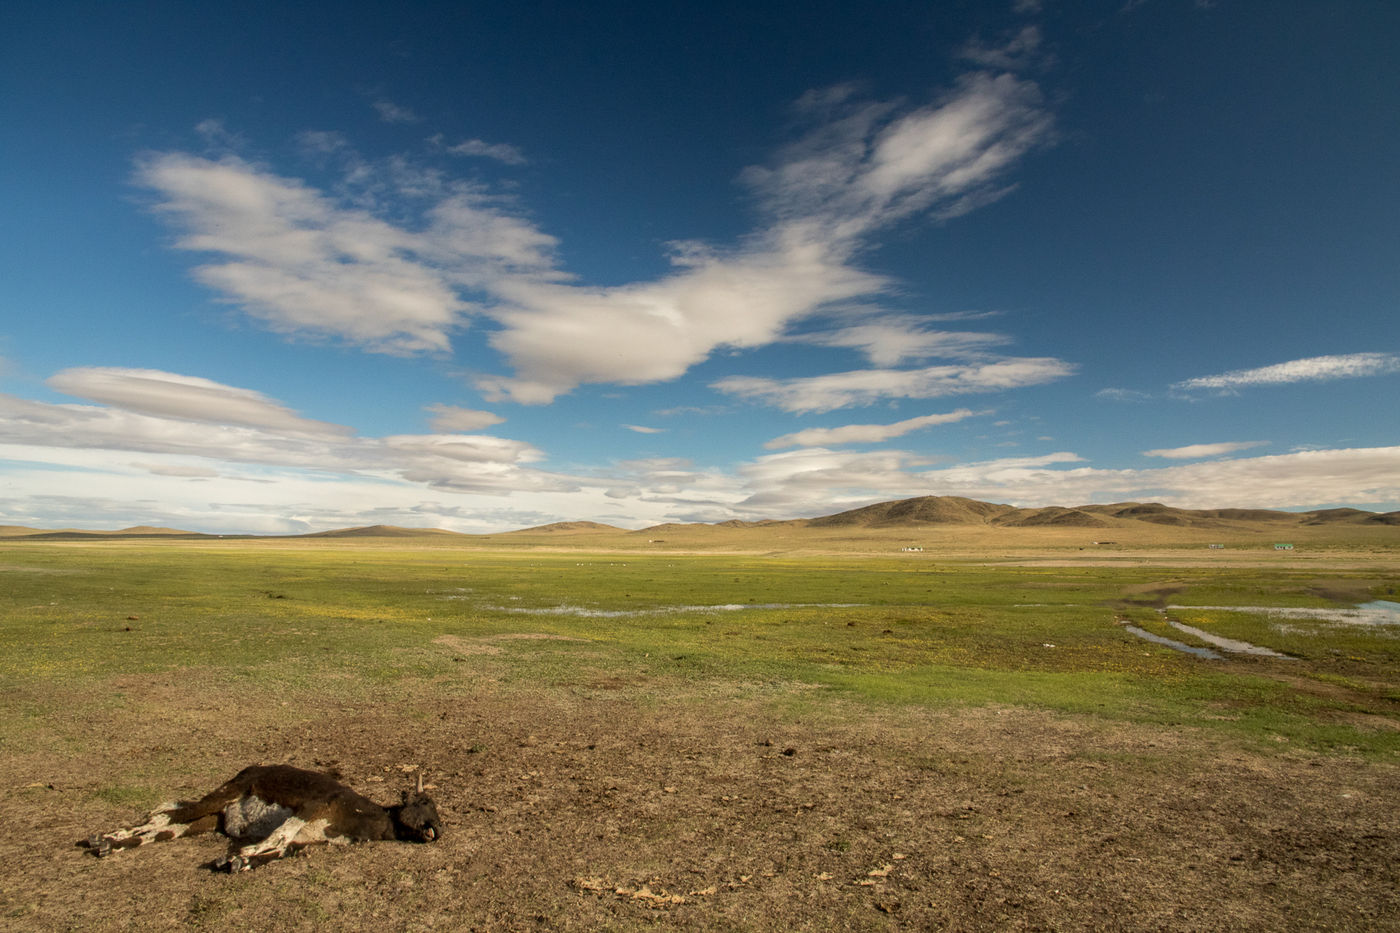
(1154, 512)
(915, 512)
(138, 531)
(1245, 515)
(376, 531)
(924, 510)
(957, 510)
(1050, 516)
(565, 527)
(1329, 516)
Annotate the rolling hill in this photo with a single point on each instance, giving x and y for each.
(919, 512)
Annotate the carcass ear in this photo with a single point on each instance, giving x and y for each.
(419, 788)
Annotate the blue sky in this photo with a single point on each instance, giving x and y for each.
(272, 267)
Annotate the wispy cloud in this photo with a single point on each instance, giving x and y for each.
(449, 418)
(642, 429)
(865, 387)
(867, 433)
(501, 152)
(890, 340)
(391, 112)
(701, 410)
(1312, 369)
(863, 165)
(1023, 50)
(1199, 451)
(1123, 395)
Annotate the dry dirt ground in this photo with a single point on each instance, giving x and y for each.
(606, 806)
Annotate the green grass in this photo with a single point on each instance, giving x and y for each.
(356, 622)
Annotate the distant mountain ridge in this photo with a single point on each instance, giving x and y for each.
(376, 531)
(566, 527)
(897, 513)
(933, 510)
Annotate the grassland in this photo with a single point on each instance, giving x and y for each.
(713, 730)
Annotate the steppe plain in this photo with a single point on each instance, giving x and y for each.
(925, 716)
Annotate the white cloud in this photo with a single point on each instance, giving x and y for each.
(282, 477)
(1297, 480)
(701, 410)
(558, 336)
(93, 427)
(864, 387)
(817, 481)
(216, 135)
(866, 433)
(1198, 451)
(859, 168)
(1312, 369)
(184, 472)
(642, 429)
(950, 316)
(449, 418)
(793, 483)
(889, 340)
(1123, 395)
(465, 448)
(171, 395)
(184, 417)
(304, 265)
(501, 152)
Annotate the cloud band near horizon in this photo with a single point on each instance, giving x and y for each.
(156, 454)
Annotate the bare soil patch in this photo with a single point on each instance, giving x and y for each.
(488, 645)
(466, 646)
(609, 808)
